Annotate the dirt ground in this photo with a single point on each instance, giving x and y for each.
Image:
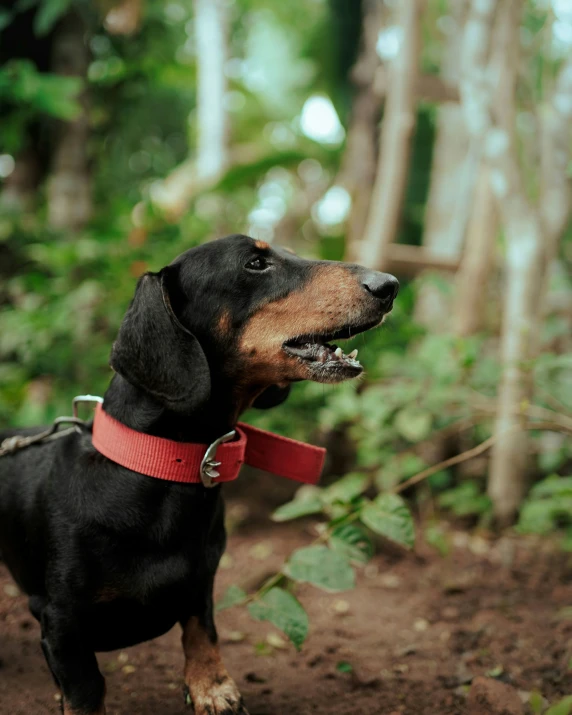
(415, 632)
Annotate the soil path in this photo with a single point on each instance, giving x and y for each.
(415, 632)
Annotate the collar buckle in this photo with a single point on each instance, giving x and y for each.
(209, 464)
(83, 399)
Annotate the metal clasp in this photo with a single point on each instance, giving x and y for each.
(81, 399)
(209, 464)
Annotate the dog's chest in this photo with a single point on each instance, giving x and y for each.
(144, 602)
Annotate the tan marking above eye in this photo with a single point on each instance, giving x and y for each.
(262, 245)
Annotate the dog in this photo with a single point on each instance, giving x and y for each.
(110, 557)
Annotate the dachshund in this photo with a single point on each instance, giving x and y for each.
(110, 557)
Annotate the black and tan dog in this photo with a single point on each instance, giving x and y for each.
(110, 557)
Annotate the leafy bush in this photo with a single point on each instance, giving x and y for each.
(343, 545)
(548, 507)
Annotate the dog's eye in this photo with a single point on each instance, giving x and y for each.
(257, 264)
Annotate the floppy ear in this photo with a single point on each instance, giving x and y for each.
(157, 353)
(271, 397)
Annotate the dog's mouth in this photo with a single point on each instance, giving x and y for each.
(327, 361)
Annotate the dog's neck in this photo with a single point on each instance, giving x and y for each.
(139, 411)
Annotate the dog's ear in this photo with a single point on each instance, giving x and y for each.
(157, 353)
(271, 397)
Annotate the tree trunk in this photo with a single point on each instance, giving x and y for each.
(69, 185)
(532, 233)
(395, 141)
(443, 234)
(210, 36)
(524, 273)
(477, 261)
(478, 257)
(212, 155)
(357, 173)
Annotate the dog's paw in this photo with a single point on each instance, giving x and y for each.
(220, 697)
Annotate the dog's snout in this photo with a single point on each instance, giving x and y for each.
(381, 285)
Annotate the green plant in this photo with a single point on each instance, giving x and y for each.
(548, 507)
(466, 499)
(344, 544)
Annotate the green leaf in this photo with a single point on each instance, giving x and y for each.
(389, 516)
(322, 567)
(536, 702)
(307, 501)
(351, 541)
(538, 516)
(436, 537)
(285, 612)
(48, 14)
(232, 597)
(564, 707)
(465, 499)
(413, 424)
(5, 18)
(23, 85)
(344, 667)
(346, 488)
(553, 486)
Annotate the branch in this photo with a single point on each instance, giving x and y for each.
(457, 459)
(395, 141)
(475, 452)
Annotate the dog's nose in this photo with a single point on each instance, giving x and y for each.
(381, 285)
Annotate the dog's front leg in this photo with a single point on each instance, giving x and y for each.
(72, 662)
(210, 688)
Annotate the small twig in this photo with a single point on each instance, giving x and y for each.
(457, 459)
(489, 405)
(475, 451)
(444, 432)
(558, 406)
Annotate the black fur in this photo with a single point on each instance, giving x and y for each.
(109, 557)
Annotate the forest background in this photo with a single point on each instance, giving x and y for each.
(430, 139)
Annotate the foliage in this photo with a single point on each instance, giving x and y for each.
(284, 611)
(342, 546)
(465, 499)
(548, 507)
(30, 93)
(563, 707)
(63, 294)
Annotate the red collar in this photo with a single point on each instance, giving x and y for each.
(195, 463)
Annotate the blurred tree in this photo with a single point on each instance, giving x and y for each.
(358, 168)
(444, 230)
(212, 53)
(69, 198)
(531, 229)
(282, 82)
(474, 274)
(395, 138)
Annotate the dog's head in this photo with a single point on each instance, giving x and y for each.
(241, 312)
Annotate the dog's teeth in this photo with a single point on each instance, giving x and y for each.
(353, 355)
(338, 353)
